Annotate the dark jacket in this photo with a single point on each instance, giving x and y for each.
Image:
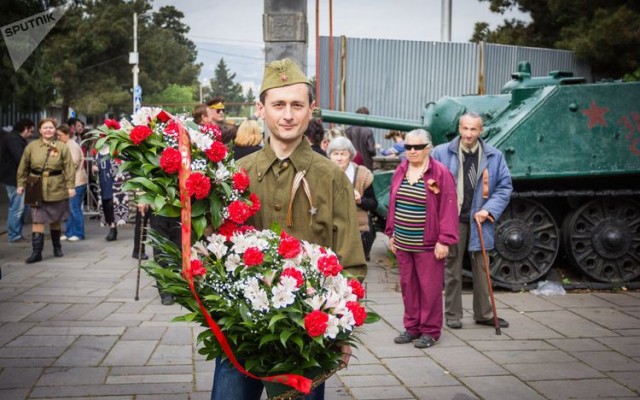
(243, 151)
(362, 139)
(11, 148)
(499, 186)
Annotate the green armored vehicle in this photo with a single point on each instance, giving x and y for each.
(574, 153)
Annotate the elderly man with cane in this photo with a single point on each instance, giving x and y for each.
(484, 187)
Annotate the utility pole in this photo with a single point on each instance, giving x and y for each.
(133, 59)
(445, 21)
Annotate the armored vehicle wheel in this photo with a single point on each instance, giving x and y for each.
(526, 243)
(602, 238)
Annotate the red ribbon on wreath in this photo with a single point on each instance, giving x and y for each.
(298, 382)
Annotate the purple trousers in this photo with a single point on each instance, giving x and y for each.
(421, 282)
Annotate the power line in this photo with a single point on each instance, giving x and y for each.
(230, 54)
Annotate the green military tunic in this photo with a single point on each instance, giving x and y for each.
(55, 187)
(332, 221)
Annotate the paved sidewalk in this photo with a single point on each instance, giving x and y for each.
(70, 329)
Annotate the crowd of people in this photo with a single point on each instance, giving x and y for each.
(436, 196)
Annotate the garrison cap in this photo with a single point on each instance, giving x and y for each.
(281, 73)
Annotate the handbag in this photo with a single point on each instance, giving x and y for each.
(33, 188)
(33, 191)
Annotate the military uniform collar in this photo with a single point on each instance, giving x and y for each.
(300, 158)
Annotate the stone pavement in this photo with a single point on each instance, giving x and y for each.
(70, 329)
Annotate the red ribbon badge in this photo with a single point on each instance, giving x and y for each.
(298, 382)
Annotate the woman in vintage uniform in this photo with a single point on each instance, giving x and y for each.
(49, 159)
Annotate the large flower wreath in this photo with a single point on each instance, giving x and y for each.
(147, 148)
(278, 308)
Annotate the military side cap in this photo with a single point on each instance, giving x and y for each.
(281, 73)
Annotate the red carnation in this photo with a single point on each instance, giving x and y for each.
(170, 160)
(356, 288)
(359, 312)
(139, 133)
(255, 203)
(253, 256)
(172, 128)
(213, 130)
(329, 265)
(227, 229)
(289, 246)
(197, 269)
(241, 180)
(112, 124)
(163, 116)
(217, 152)
(295, 274)
(239, 211)
(198, 185)
(316, 323)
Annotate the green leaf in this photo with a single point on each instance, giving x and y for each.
(284, 336)
(198, 208)
(168, 211)
(371, 317)
(199, 225)
(159, 202)
(147, 169)
(216, 210)
(244, 312)
(298, 341)
(276, 318)
(227, 188)
(268, 338)
(147, 183)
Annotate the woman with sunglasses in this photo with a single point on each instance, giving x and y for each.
(422, 222)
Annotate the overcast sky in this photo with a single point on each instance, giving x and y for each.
(232, 29)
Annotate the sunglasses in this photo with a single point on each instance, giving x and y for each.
(415, 146)
(220, 111)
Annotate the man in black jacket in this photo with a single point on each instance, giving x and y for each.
(363, 141)
(12, 146)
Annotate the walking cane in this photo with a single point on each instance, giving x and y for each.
(485, 258)
(142, 228)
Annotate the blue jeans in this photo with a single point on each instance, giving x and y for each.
(231, 384)
(15, 219)
(75, 223)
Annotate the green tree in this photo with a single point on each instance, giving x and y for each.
(250, 97)
(174, 98)
(604, 33)
(31, 86)
(83, 62)
(223, 85)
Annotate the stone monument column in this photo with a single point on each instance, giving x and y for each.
(284, 25)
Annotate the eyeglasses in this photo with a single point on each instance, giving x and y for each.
(219, 111)
(415, 146)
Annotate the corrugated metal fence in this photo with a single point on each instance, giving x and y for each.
(10, 115)
(396, 78)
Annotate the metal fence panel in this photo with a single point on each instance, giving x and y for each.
(396, 78)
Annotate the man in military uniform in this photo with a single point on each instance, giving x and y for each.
(300, 190)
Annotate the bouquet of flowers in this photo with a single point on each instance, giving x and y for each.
(147, 148)
(279, 308)
(282, 303)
